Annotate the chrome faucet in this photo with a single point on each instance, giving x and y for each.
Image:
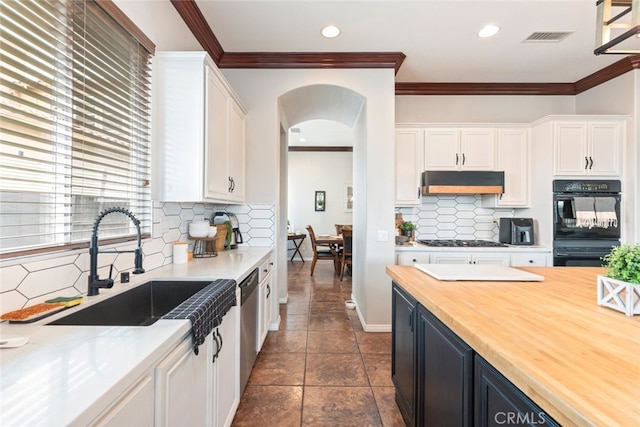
(95, 283)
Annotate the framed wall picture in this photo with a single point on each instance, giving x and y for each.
(320, 201)
(348, 198)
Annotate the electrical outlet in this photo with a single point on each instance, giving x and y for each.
(383, 235)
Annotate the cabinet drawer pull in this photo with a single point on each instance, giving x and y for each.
(215, 354)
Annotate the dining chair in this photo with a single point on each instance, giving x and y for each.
(345, 252)
(339, 227)
(321, 254)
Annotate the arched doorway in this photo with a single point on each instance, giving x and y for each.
(319, 102)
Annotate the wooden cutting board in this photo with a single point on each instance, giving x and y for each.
(33, 313)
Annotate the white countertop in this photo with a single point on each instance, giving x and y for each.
(414, 246)
(70, 374)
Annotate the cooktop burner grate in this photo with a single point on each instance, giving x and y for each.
(463, 243)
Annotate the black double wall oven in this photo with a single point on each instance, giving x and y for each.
(586, 221)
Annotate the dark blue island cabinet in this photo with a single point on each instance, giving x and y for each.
(403, 353)
(441, 382)
(445, 375)
(498, 402)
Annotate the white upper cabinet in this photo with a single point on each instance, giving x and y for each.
(216, 146)
(512, 158)
(236, 173)
(588, 147)
(198, 131)
(408, 164)
(459, 149)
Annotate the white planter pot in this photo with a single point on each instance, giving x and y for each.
(619, 295)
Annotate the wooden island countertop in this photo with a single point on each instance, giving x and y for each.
(578, 361)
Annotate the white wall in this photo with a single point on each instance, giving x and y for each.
(259, 91)
(480, 109)
(318, 171)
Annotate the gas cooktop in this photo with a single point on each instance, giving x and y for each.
(463, 243)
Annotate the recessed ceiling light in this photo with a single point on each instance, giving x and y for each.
(488, 31)
(330, 31)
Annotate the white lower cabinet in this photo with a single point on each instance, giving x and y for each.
(203, 389)
(134, 408)
(265, 301)
(225, 380)
(181, 371)
(514, 258)
(469, 258)
(531, 259)
(410, 258)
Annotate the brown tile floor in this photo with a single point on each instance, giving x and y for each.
(320, 368)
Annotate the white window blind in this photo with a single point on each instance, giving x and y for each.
(74, 124)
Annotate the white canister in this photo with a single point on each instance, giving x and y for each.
(180, 255)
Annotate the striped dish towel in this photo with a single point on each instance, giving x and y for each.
(585, 212)
(606, 212)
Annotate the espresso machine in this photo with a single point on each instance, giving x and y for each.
(516, 231)
(236, 236)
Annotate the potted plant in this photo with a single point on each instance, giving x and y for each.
(619, 288)
(407, 228)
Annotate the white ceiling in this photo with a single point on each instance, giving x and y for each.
(438, 37)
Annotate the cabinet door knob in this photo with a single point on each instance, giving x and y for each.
(463, 159)
(586, 162)
(590, 162)
(457, 159)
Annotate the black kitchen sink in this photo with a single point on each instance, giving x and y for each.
(139, 306)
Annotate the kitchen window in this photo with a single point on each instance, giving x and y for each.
(74, 123)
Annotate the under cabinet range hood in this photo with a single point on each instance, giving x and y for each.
(462, 182)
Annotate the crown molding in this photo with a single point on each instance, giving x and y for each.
(608, 73)
(312, 60)
(192, 16)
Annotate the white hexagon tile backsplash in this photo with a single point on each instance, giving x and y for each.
(33, 279)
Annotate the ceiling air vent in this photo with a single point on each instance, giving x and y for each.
(295, 130)
(547, 37)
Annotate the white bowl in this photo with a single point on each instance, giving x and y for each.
(350, 304)
(199, 228)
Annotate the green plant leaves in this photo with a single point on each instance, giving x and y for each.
(623, 263)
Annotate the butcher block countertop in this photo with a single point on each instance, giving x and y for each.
(578, 361)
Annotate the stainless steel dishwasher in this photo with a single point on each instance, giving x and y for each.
(248, 326)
